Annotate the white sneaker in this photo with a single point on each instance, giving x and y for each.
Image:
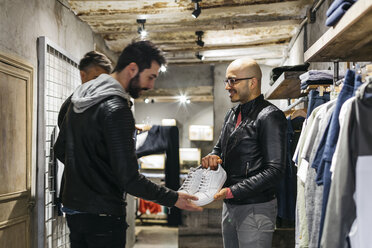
(211, 183)
(191, 183)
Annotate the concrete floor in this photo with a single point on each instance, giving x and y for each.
(156, 237)
(168, 237)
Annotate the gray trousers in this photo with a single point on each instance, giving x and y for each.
(250, 225)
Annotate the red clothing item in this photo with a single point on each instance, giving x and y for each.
(239, 119)
(229, 194)
(153, 207)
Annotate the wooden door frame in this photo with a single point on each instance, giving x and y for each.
(19, 68)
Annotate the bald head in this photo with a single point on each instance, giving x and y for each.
(247, 80)
(246, 67)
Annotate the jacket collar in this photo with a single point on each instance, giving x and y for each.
(248, 106)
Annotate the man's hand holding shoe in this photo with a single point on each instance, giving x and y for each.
(185, 202)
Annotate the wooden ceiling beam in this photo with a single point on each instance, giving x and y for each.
(222, 24)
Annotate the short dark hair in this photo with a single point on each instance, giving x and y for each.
(143, 53)
(94, 58)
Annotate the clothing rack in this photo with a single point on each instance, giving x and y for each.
(335, 72)
(337, 83)
(300, 100)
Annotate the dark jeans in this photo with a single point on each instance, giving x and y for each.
(94, 231)
(337, 14)
(315, 100)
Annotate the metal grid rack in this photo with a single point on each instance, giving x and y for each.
(59, 76)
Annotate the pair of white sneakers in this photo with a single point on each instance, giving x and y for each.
(204, 183)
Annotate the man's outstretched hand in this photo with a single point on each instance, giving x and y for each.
(184, 202)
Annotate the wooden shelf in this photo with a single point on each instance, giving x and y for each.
(350, 40)
(286, 86)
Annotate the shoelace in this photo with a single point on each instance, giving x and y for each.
(204, 184)
(188, 181)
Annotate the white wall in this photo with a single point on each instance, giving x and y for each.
(181, 76)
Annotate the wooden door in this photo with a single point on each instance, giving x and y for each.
(15, 152)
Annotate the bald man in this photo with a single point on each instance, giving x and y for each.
(251, 148)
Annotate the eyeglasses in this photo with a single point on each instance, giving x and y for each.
(232, 81)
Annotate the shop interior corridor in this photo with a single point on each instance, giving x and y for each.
(307, 51)
(154, 236)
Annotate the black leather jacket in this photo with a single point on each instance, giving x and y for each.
(253, 154)
(97, 148)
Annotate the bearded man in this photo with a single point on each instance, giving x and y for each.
(251, 149)
(97, 147)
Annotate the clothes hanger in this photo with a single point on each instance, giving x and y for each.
(368, 90)
(298, 113)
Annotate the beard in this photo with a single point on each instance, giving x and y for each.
(134, 89)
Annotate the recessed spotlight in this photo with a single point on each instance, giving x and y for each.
(199, 41)
(147, 100)
(143, 33)
(163, 68)
(183, 99)
(141, 28)
(199, 55)
(197, 9)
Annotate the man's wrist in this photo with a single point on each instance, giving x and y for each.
(229, 194)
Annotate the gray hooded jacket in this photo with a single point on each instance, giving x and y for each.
(94, 91)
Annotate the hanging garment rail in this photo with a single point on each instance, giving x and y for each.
(337, 83)
(335, 72)
(300, 100)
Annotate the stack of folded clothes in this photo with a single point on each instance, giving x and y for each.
(277, 71)
(316, 77)
(337, 9)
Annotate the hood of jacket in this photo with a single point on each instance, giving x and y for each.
(94, 91)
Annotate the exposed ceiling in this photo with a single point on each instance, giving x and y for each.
(260, 29)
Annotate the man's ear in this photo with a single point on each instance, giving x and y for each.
(253, 83)
(133, 69)
(83, 76)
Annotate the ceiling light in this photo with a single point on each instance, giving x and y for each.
(199, 41)
(143, 33)
(141, 28)
(183, 99)
(147, 100)
(199, 55)
(197, 9)
(163, 68)
(188, 101)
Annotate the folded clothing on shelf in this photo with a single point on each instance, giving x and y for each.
(314, 75)
(277, 71)
(337, 3)
(305, 84)
(338, 13)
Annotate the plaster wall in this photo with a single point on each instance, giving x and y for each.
(181, 76)
(22, 22)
